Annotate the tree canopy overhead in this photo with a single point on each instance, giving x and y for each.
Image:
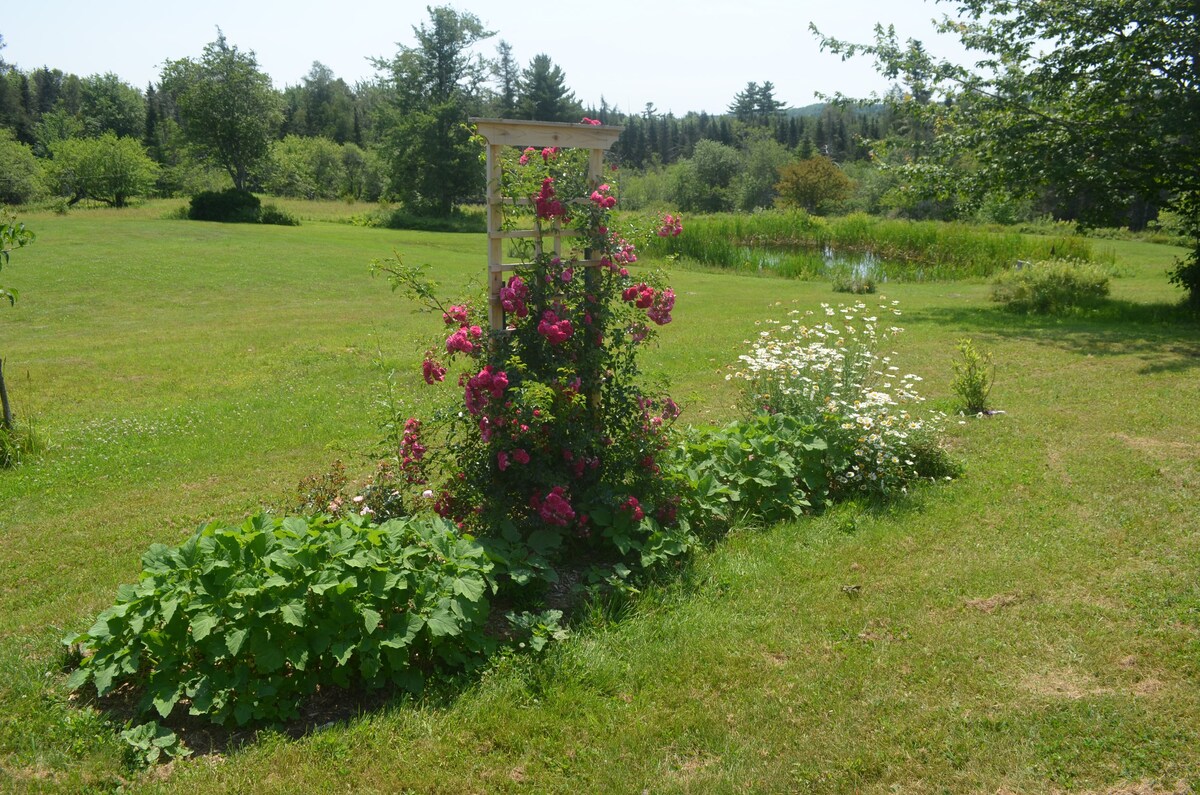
(1097, 102)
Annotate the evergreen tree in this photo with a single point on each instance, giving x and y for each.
(433, 88)
(508, 82)
(544, 93)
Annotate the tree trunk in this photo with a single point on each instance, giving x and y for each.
(7, 421)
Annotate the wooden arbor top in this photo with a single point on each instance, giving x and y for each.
(514, 132)
(510, 132)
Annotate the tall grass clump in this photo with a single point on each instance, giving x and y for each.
(1051, 286)
(905, 250)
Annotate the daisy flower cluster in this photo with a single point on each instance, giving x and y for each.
(830, 369)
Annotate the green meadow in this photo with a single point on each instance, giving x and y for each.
(1032, 626)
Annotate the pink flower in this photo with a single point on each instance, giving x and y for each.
(635, 509)
(554, 330)
(672, 226)
(458, 342)
(513, 297)
(487, 383)
(546, 206)
(567, 274)
(554, 508)
(645, 296)
(664, 302)
(456, 314)
(520, 456)
(432, 371)
(502, 460)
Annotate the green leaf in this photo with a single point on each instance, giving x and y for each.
(166, 699)
(167, 609)
(268, 656)
(401, 631)
(443, 622)
(202, 625)
(79, 678)
(544, 542)
(234, 638)
(103, 677)
(325, 580)
(100, 631)
(371, 620)
(293, 613)
(470, 588)
(342, 649)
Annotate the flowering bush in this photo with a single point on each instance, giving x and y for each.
(552, 451)
(828, 370)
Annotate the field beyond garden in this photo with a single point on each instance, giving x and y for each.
(1032, 626)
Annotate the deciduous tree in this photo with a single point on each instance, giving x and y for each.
(108, 169)
(813, 184)
(1096, 103)
(229, 110)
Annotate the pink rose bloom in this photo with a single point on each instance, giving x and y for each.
(520, 456)
(458, 342)
(554, 508)
(554, 330)
(456, 314)
(432, 371)
(664, 302)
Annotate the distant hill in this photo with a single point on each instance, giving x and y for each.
(817, 108)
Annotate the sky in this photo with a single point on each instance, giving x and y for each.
(683, 57)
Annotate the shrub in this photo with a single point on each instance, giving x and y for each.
(762, 469)
(240, 623)
(1051, 286)
(228, 206)
(974, 374)
(270, 214)
(400, 218)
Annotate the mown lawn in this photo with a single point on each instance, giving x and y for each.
(1031, 627)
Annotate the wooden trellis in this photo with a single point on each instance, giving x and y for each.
(500, 133)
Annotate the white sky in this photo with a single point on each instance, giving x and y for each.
(680, 56)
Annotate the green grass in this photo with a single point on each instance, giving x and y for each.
(1031, 627)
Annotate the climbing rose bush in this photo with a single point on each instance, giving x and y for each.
(551, 449)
